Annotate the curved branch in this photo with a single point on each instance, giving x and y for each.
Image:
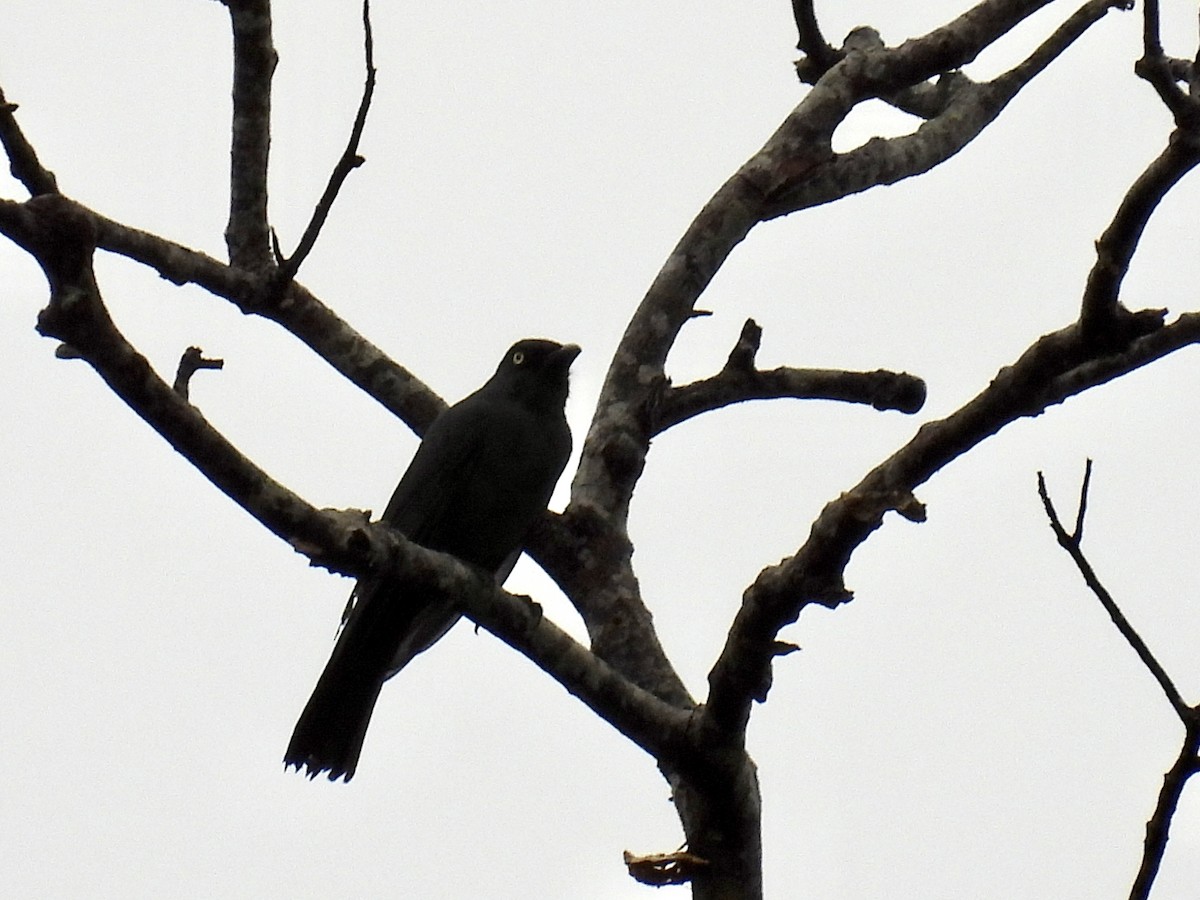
(1100, 312)
(1158, 827)
(192, 361)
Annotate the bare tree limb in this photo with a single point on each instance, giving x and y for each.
(299, 311)
(254, 60)
(795, 169)
(819, 56)
(1101, 316)
(740, 381)
(1158, 827)
(1077, 534)
(1071, 544)
(1187, 763)
(349, 161)
(23, 161)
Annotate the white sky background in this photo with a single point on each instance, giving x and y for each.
(970, 726)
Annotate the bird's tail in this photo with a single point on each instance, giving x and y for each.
(329, 734)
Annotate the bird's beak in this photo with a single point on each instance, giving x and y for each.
(565, 355)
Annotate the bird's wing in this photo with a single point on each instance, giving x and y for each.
(426, 492)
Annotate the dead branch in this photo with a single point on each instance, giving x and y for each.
(1187, 763)
(1071, 543)
(740, 380)
(349, 161)
(254, 61)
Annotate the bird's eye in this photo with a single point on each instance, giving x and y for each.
(518, 358)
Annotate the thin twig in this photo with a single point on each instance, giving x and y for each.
(1071, 545)
(819, 56)
(349, 161)
(1158, 827)
(1077, 534)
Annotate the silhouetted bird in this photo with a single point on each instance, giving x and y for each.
(481, 476)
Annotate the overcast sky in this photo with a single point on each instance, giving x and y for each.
(970, 726)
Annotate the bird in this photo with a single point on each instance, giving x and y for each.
(481, 476)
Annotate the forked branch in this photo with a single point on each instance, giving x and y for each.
(1187, 763)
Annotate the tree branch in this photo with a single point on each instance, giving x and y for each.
(62, 238)
(796, 168)
(740, 381)
(1101, 315)
(23, 161)
(1159, 825)
(301, 313)
(1186, 763)
(1071, 543)
(819, 56)
(1055, 367)
(193, 360)
(254, 60)
(349, 161)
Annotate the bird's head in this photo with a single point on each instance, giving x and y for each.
(537, 371)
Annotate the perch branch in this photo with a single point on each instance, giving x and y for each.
(304, 315)
(62, 239)
(349, 161)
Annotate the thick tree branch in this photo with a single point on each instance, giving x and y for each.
(254, 60)
(23, 162)
(349, 161)
(795, 169)
(301, 313)
(957, 110)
